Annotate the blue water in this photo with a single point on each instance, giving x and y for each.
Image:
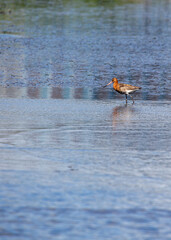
(84, 169)
(75, 161)
(86, 43)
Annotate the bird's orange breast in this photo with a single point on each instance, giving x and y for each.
(117, 87)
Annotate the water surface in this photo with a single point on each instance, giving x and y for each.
(86, 43)
(85, 169)
(75, 161)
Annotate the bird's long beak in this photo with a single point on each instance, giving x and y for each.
(107, 84)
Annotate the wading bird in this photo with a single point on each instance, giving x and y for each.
(123, 88)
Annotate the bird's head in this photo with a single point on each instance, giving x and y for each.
(114, 80)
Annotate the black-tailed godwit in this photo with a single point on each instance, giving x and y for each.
(123, 88)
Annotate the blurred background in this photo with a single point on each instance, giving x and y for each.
(84, 43)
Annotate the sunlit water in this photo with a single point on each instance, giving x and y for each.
(75, 161)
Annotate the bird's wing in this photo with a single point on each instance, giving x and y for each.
(125, 87)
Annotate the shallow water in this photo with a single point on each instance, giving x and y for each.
(85, 169)
(75, 161)
(86, 43)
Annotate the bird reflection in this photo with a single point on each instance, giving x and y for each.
(122, 114)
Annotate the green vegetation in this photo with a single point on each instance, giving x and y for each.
(14, 4)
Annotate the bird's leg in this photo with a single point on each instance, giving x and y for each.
(132, 99)
(126, 98)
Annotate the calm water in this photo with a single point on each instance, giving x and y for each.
(75, 161)
(85, 169)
